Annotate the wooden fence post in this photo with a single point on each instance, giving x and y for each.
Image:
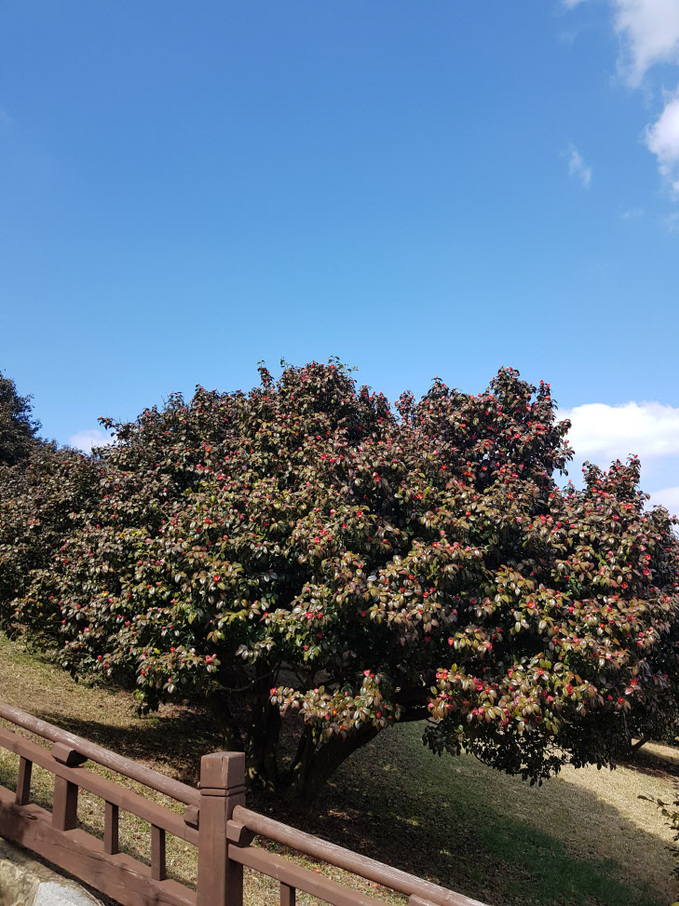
(222, 788)
(65, 800)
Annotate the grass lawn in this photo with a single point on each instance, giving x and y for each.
(583, 838)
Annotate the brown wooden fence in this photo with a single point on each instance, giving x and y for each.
(215, 820)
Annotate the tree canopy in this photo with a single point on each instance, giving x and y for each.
(18, 429)
(319, 566)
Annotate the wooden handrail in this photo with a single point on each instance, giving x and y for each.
(182, 792)
(56, 837)
(364, 866)
(108, 790)
(299, 878)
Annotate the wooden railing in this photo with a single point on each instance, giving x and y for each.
(215, 820)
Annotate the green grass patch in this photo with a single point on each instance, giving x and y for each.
(494, 838)
(547, 873)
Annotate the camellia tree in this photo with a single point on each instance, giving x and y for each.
(318, 567)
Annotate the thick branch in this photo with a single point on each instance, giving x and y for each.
(639, 743)
(312, 773)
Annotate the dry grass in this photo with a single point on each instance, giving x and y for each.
(584, 838)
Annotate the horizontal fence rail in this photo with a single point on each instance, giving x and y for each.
(215, 821)
(182, 792)
(369, 869)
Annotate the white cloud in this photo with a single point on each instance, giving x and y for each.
(604, 433)
(86, 440)
(578, 168)
(650, 33)
(662, 139)
(672, 222)
(667, 497)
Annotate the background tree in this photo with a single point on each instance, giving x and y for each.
(318, 566)
(43, 499)
(18, 429)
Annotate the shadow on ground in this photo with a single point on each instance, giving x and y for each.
(177, 739)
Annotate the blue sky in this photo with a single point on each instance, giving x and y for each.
(418, 188)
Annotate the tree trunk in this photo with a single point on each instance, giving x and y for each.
(262, 746)
(226, 722)
(317, 764)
